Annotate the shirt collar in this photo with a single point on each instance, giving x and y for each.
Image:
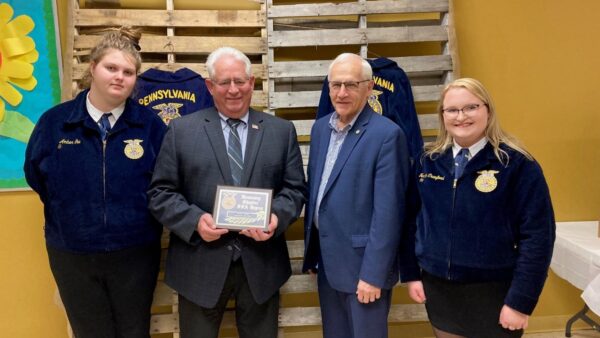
(473, 150)
(243, 118)
(335, 117)
(96, 113)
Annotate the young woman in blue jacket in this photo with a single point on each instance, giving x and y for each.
(479, 252)
(91, 160)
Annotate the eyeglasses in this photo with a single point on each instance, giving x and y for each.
(467, 110)
(238, 83)
(349, 85)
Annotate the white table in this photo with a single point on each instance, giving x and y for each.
(576, 259)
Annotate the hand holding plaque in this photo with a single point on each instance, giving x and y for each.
(239, 208)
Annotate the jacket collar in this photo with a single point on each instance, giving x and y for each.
(253, 142)
(79, 114)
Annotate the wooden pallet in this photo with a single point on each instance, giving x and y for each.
(171, 39)
(298, 284)
(417, 34)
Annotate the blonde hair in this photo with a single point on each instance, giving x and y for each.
(125, 39)
(494, 134)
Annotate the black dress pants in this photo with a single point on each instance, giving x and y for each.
(253, 320)
(107, 295)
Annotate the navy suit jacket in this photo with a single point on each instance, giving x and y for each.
(361, 212)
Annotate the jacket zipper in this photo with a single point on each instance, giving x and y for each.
(451, 223)
(104, 179)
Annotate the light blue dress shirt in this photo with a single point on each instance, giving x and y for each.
(336, 140)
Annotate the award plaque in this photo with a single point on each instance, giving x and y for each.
(241, 208)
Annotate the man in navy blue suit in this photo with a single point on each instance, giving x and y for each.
(357, 171)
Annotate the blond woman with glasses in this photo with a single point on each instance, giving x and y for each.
(479, 251)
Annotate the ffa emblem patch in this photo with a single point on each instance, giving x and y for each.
(168, 111)
(486, 181)
(228, 201)
(374, 101)
(133, 149)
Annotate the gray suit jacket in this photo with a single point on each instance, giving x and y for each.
(191, 163)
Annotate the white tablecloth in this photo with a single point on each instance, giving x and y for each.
(577, 258)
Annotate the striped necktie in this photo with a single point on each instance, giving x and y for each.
(460, 162)
(105, 125)
(234, 151)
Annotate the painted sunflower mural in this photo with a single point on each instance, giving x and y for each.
(26, 28)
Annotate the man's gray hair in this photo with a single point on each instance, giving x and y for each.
(367, 71)
(226, 51)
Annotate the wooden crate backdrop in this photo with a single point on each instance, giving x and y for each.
(171, 39)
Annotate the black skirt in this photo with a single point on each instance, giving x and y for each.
(467, 309)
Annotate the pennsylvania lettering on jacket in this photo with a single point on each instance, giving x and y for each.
(172, 94)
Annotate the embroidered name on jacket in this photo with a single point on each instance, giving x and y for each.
(423, 176)
(68, 142)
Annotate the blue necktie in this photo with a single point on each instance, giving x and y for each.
(104, 125)
(460, 162)
(234, 151)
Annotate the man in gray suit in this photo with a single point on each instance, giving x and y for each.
(207, 265)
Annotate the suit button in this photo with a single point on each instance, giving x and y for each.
(229, 247)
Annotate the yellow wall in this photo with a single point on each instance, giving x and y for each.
(538, 58)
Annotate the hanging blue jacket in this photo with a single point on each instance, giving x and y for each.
(94, 193)
(172, 94)
(496, 223)
(392, 97)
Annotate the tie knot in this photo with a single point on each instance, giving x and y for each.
(464, 152)
(234, 123)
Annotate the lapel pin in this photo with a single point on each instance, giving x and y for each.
(357, 131)
(254, 126)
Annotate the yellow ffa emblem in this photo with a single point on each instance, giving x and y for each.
(486, 181)
(228, 201)
(168, 111)
(133, 149)
(374, 101)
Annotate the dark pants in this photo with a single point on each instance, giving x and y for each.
(345, 317)
(107, 295)
(253, 320)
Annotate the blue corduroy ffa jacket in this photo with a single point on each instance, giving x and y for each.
(496, 223)
(94, 194)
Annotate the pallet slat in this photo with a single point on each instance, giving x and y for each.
(410, 64)
(300, 284)
(309, 316)
(167, 18)
(370, 7)
(356, 36)
(296, 248)
(258, 70)
(163, 295)
(311, 98)
(185, 44)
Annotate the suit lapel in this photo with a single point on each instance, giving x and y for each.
(214, 131)
(354, 134)
(320, 157)
(253, 142)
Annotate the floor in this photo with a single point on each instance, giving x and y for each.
(575, 334)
